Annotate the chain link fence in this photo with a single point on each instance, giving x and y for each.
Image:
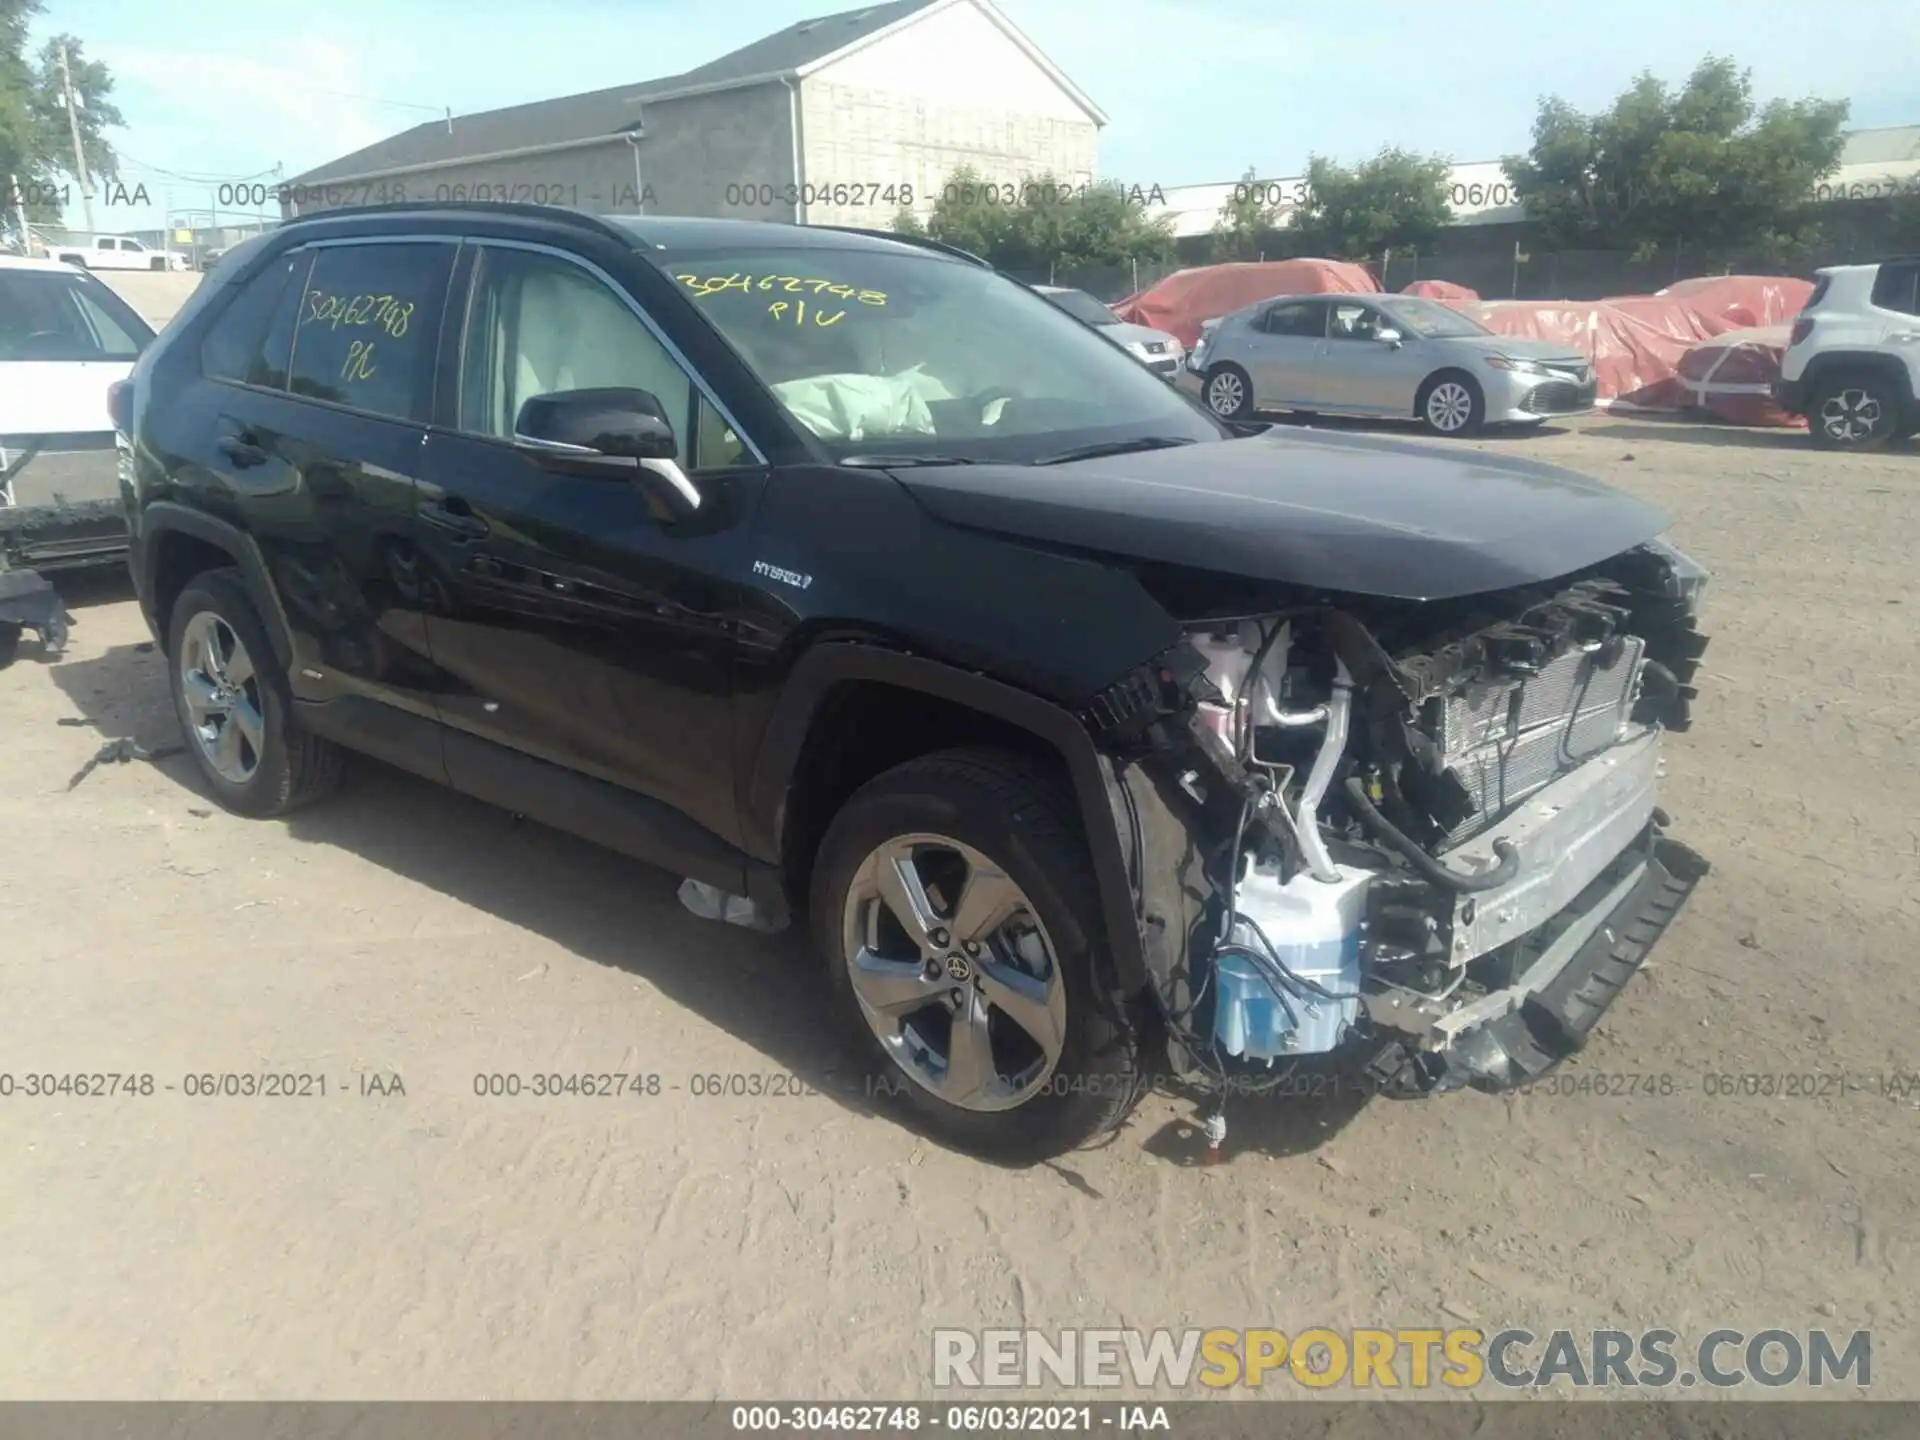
(1106, 283)
(1535, 274)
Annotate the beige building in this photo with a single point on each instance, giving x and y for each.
(844, 119)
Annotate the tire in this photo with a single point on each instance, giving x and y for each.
(1853, 410)
(273, 767)
(1019, 824)
(1452, 404)
(1228, 392)
(9, 642)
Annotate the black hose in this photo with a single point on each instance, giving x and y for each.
(1438, 873)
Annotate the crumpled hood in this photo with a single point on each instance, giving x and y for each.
(1347, 512)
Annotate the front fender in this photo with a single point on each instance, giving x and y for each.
(1096, 792)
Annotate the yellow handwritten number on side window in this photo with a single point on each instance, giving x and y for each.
(359, 362)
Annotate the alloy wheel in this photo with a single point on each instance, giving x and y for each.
(1851, 416)
(222, 692)
(954, 972)
(1449, 406)
(1225, 393)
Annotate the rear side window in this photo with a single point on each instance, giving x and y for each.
(1894, 288)
(46, 315)
(1303, 318)
(369, 324)
(1821, 284)
(252, 337)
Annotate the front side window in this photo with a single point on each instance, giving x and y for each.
(1430, 320)
(1353, 322)
(890, 350)
(133, 245)
(49, 315)
(538, 325)
(369, 322)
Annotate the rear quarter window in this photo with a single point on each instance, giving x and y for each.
(1894, 288)
(250, 340)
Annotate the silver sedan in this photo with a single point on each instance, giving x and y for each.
(1385, 356)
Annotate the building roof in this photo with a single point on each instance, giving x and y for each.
(600, 114)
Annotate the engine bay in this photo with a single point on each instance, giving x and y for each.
(1393, 813)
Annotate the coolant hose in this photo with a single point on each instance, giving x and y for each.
(1387, 831)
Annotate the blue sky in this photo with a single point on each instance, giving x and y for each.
(1196, 90)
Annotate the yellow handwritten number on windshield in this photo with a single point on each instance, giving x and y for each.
(704, 285)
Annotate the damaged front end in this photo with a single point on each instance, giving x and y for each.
(1414, 840)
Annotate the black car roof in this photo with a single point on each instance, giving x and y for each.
(660, 232)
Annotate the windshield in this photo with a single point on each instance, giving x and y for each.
(1082, 306)
(47, 315)
(1431, 320)
(906, 353)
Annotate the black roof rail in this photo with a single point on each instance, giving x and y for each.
(584, 219)
(924, 242)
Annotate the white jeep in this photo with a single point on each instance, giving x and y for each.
(1852, 363)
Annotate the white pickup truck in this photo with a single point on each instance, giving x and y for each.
(116, 252)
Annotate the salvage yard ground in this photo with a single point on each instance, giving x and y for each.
(434, 1243)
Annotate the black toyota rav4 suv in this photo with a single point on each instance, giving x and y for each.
(849, 579)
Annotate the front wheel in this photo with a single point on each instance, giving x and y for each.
(956, 907)
(1229, 392)
(1853, 412)
(1451, 404)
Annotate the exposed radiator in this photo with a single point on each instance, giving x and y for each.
(1506, 739)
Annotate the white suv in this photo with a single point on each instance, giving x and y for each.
(1852, 366)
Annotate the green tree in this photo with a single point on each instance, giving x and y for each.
(36, 144)
(1701, 165)
(1395, 200)
(1040, 225)
(1248, 224)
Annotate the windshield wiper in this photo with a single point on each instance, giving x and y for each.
(888, 462)
(1114, 447)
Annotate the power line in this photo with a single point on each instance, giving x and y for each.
(135, 163)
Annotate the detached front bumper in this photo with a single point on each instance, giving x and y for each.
(1597, 886)
(1511, 1036)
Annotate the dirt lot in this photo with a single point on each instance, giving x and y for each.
(439, 1244)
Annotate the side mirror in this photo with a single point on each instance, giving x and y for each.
(610, 431)
(1387, 335)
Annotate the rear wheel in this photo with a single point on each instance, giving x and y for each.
(956, 907)
(1853, 411)
(1451, 403)
(1229, 392)
(235, 713)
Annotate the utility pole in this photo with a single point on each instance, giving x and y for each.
(20, 214)
(72, 103)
